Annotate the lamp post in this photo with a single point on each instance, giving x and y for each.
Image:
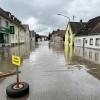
(68, 36)
(64, 16)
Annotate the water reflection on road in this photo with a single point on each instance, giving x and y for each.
(90, 58)
(7, 52)
(55, 72)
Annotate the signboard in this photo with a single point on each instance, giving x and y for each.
(12, 30)
(16, 60)
(4, 30)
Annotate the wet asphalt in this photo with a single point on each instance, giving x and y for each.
(55, 75)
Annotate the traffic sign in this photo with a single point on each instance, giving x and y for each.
(16, 60)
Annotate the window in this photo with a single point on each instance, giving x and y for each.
(91, 41)
(79, 41)
(97, 43)
(6, 23)
(86, 41)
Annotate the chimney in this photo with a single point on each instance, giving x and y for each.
(81, 21)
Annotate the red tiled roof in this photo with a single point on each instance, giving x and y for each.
(59, 32)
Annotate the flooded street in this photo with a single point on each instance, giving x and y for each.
(54, 72)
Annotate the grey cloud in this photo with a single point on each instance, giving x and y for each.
(45, 11)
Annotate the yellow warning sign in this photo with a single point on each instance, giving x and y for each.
(16, 60)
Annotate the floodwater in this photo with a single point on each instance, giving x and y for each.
(54, 72)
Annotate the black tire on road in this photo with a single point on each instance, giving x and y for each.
(15, 93)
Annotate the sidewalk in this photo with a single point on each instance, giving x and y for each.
(2, 74)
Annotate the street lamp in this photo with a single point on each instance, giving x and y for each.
(64, 16)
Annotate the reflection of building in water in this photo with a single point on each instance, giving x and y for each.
(33, 46)
(68, 54)
(88, 57)
(56, 47)
(6, 53)
(22, 50)
(88, 54)
(5, 61)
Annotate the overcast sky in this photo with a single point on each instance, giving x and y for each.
(41, 15)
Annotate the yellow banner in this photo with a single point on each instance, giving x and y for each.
(16, 60)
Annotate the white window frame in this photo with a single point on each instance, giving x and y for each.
(97, 42)
(91, 41)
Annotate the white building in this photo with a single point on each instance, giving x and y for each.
(4, 28)
(32, 35)
(12, 31)
(58, 36)
(89, 36)
(27, 36)
(92, 41)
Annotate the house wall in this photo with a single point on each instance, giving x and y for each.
(14, 37)
(27, 35)
(19, 36)
(53, 38)
(69, 36)
(56, 38)
(32, 36)
(3, 23)
(9, 39)
(22, 35)
(84, 41)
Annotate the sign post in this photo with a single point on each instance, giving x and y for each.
(17, 83)
(16, 60)
(17, 89)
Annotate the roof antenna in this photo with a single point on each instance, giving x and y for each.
(73, 18)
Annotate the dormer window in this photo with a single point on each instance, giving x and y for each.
(9, 15)
(13, 18)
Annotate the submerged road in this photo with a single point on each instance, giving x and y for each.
(51, 77)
